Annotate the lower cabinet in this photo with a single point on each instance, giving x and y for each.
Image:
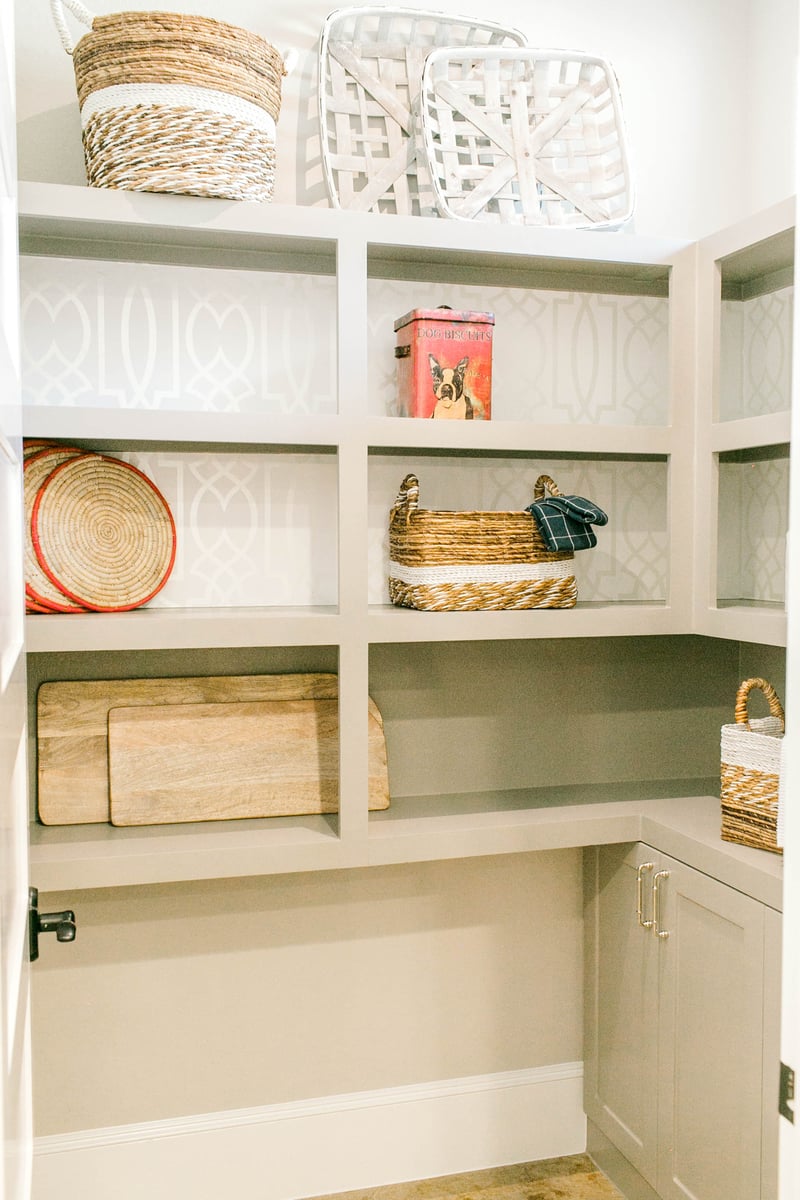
(681, 1039)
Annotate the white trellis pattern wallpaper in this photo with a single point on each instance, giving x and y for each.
(259, 529)
(252, 529)
(558, 356)
(137, 335)
(630, 561)
(756, 355)
(753, 518)
(201, 339)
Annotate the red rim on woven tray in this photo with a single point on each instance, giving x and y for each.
(39, 588)
(103, 533)
(31, 446)
(31, 606)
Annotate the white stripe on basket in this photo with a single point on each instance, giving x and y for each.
(756, 749)
(479, 573)
(779, 832)
(177, 95)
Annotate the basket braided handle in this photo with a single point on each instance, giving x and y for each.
(544, 486)
(407, 498)
(77, 9)
(775, 706)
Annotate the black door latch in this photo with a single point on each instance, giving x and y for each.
(786, 1093)
(62, 924)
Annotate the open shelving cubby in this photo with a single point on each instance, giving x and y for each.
(274, 355)
(746, 299)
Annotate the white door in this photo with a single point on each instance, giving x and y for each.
(15, 1092)
(790, 1016)
(790, 1019)
(789, 1176)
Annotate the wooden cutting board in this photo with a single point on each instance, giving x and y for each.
(72, 733)
(211, 762)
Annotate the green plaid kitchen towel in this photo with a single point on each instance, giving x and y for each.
(565, 522)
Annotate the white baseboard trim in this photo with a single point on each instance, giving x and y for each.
(333, 1144)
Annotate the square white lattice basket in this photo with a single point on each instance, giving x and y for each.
(370, 74)
(526, 136)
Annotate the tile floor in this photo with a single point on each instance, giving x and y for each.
(572, 1178)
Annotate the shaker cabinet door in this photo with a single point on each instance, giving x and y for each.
(621, 1050)
(710, 1031)
(681, 999)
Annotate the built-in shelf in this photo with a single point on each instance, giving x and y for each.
(91, 856)
(399, 435)
(586, 619)
(97, 856)
(118, 428)
(686, 826)
(750, 433)
(76, 222)
(744, 332)
(112, 429)
(746, 621)
(765, 263)
(167, 628)
(170, 628)
(657, 548)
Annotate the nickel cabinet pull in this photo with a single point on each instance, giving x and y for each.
(657, 930)
(648, 866)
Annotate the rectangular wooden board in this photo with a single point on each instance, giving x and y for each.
(72, 729)
(212, 762)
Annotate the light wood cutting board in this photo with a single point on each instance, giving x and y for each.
(72, 733)
(211, 762)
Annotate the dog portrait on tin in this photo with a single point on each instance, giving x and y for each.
(452, 401)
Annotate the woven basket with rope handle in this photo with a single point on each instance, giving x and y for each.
(750, 770)
(175, 103)
(443, 561)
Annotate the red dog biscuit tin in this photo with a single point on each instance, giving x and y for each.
(444, 364)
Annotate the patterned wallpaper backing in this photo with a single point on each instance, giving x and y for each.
(755, 379)
(252, 530)
(753, 518)
(630, 561)
(558, 356)
(260, 529)
(756, 355)
(200, 339)
(135, 335)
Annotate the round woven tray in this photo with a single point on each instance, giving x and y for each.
(39, 464)
(32, 607)
(31, 446)
(103, 533)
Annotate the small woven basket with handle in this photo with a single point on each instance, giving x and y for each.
(441, 561)
(750, 771)
(175, 103)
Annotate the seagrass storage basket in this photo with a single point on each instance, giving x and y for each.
(750, 771)
(441, 561)
(175, 103)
